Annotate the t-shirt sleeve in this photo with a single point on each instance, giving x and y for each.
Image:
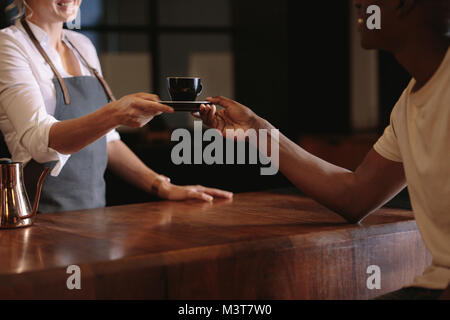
(387, 144)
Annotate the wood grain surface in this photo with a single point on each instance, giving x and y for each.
(263, 245)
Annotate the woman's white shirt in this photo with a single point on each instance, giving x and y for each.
(28, 95)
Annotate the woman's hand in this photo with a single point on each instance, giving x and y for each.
(137, 109)
(234, 116)
(70, 136)
(170, 191)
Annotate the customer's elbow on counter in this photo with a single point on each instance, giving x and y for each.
(352, 219)
(354, 215)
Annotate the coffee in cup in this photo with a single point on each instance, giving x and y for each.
(184, 88)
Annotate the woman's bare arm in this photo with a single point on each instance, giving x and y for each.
(70, 136)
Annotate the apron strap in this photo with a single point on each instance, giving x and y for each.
(47, 59)
(55, 71)
(96, 73)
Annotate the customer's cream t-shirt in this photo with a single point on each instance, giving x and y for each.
(419, 136)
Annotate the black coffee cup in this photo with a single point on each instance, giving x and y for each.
(184, 88)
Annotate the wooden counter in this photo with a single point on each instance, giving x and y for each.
(265, 245)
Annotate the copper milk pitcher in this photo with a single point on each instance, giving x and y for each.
(16, 211)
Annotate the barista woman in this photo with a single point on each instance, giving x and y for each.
(57, 110)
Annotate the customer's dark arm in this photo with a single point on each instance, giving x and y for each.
(353, 195)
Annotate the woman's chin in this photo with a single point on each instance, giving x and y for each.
(66, 17)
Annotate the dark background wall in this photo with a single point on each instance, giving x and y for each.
(3, 21)
(262, 61)
(319, 67)
(292, 63)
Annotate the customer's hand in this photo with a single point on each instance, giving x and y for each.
(170, 191)
(234, 115)
(137, 109)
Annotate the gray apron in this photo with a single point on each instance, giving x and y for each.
(80, 184)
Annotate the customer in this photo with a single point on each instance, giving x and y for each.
(414, 149)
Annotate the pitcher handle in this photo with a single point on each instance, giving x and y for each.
(38, 194)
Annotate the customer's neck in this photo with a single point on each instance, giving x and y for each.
(421, 56)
